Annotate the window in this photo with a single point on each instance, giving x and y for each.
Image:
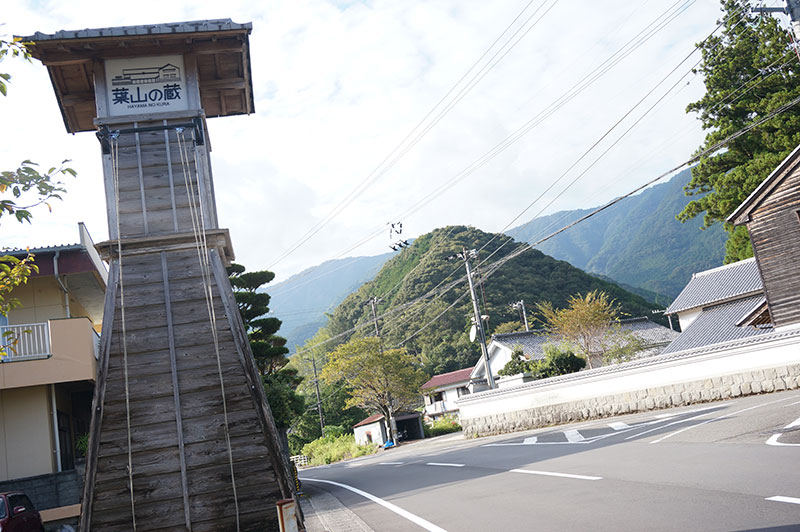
(19, 500)
(3, 512)
(463, 391)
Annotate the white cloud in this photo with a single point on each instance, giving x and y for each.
(339, 84)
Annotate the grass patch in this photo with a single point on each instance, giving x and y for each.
(335, 448)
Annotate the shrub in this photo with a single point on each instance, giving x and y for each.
(558, 360)
(443, 425)
(334, 448)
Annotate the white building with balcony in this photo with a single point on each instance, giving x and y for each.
(441, 392)
(47, 377)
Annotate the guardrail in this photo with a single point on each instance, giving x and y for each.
(299, 460)
(25, 341)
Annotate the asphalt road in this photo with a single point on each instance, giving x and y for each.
(732, 465)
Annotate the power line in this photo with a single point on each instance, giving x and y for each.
(400, 150)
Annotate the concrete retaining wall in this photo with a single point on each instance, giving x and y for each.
(730, 370)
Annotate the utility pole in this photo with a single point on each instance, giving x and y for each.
(319, 401)
(792, 8)
(466, 256)
(373, 303)
(520, 307)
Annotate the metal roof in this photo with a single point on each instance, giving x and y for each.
(717, 324)
(194, 26)
(718, 285)
(45, 249)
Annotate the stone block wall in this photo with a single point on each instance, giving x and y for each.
(699, 391)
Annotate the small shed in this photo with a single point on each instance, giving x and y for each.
(374, 430)
(772, 216)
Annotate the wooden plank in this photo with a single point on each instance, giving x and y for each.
(176, 390)
(141, 183)
(98, 400)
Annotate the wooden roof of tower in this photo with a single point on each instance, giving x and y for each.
(223, 62)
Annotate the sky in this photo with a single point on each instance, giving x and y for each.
(340, 84)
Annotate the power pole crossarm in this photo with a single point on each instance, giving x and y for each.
(792, 9)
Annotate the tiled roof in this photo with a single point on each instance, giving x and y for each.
(222, 24)
(717, 324)
(453, 377)
(717, 285)
(371, 419)
(533, 342)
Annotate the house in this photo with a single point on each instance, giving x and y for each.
(654, 339)
(374, 430)
(772, 216)
(47, 380)
(441, 392)
(712, 306)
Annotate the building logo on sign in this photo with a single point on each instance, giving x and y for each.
(145, 85)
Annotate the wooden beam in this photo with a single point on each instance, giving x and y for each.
(223, 84)
(176, 392)
(75, 98)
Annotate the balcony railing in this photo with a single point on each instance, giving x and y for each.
(29, 341)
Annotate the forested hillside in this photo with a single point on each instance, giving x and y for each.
(636, 242)
(301, 301)
(435, 328)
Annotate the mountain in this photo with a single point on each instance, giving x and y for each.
(301, 301)
(436, 328)
(637, 242)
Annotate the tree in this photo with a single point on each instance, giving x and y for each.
(269, 351)
(558, 360)
(382, 381)
(509, 327)
(585, 324)
(749, 70)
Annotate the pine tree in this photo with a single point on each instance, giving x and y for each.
(750, 69)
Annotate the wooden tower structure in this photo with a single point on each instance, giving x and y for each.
(182, 437)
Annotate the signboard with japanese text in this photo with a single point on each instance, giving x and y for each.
(146, 85)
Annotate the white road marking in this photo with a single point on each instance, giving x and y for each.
(663, 416)
(551, 474)
(671, 434)
(573, 436)
(773, 440)
(618, 425)
(795, 423)
(390, 463)
(530, 441)
(427, 525)
(675, 422)
(780, 498)
(444, 464)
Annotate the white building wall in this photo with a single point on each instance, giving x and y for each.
(376, 430)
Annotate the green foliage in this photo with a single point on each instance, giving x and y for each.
(441, 344)
(268, 349)
(13, 272)
(286, 404)
(443, 425)
(82, 444)
(509, 327)
(558, 360)
(637, 243)
(584, 323)
(385, 381)
(755, 53)
(335, 448)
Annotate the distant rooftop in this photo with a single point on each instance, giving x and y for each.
(445, 379)
(717, 324)
(718, 285)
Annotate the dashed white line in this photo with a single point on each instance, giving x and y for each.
(552, 474)
(671, 434)
(773, 440)
(781, 498)
(675, 422)
(573, 436)
(530, 441)
(618, 425)
(427, 525)
(443, 464)
(390, 463)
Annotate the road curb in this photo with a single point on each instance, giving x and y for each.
(325, 513)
